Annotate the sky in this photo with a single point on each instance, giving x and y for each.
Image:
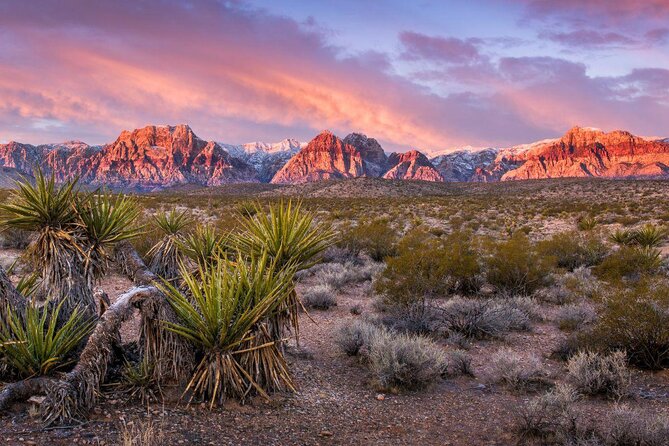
(432, 75)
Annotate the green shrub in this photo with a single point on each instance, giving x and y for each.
(377, 238)
(629, 262)
(636, 320)
(573, 249)
(428, 267)
(515, 266)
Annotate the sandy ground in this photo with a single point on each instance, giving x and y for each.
(335, 403)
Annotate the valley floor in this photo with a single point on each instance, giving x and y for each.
(335, 403)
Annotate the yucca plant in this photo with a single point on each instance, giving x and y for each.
(290, 238)
(623, 237)
(165, 256)
(650, 236)
(204, 246)
(104, 220)
(218, 313)
(56, 252)
(36, 343)
(586, 223)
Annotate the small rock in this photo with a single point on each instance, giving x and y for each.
(380, 397)
(326, 434)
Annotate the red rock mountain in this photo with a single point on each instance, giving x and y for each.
(154, 156)
(325, 157)
(584, 152)
(411, 165)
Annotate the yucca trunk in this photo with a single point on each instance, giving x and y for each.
(263, 360)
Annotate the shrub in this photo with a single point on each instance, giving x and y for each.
(459, 363)
(515, 371)
(629, 262)
(339, 275)
(515, 266)
(320, 297)
(549, 417)
(575, 316)
(571, 250)
(396, 360)
(405, 361)
(479, 319)
(636, 320)
(377, 238)
(596, 374)
(353, 338)
(418, 319)
(650, 236)
(413, 275)
(625, 426)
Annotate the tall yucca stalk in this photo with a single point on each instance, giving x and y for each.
(104, 220)
(36, 343)
(217, 314)
(289, 237)
(165, 256)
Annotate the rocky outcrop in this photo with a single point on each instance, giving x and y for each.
(373, 157)
(325, 157)
(159, 156)
(411, 165)
(147, 158)
(586, 152)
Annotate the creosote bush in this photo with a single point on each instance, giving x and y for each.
(629, 262)
(427, 267)
(571, 250)
(515, 266)
(592, 373)
(636, 320)
(377, 238)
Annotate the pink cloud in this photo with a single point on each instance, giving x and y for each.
(72, 69)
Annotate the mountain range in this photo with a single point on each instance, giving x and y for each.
(156, 157)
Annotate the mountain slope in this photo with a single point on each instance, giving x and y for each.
(587, 152)
(411, 165)
(325, 157)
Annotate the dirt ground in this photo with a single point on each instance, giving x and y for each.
(335, 403)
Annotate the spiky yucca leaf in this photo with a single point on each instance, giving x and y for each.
(286, 234)
(290, 237)
(650, 236)
(623, 237)
(172, 222)
(105, 219)
(204, 246)
(37, 344)
(34, 207)
(218, 313)
(165, 256)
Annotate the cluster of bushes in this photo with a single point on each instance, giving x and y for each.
(555, 418)
(377, 238)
